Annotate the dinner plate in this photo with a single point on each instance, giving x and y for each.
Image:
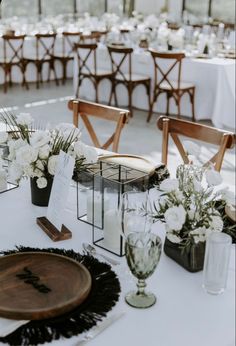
(231, 212)
(40, 285)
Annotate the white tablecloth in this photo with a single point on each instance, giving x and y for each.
(183, 315)
(214, 80)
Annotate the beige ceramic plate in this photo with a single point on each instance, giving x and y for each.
(231, 213)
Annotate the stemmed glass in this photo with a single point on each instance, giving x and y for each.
(143, 251)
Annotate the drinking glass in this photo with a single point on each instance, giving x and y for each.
(216, 262)
(143, 251)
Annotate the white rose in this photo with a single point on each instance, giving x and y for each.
(66, 130)
(199, 234)
(15, 172)
(213, 177)
(90, 155)
(41, 182)
(24, 119)
(179, 195)
(39, 139)
(79, 148)
(40, 165)
(175, 217)
(26, 155)
(52, 164)
(229, 197)
(192, 148)
(28, 171)
(216, 223)
(169, 185)
(44, 152)
(163, 201)
(3, 137)
(173, 237)
(14, 145)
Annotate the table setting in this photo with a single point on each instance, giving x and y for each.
(81, 289)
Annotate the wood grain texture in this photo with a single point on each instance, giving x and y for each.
(67, 283)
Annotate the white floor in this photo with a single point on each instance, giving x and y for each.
(49, 104)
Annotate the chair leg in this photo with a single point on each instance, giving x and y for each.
(64, 74)
(192, 99)
(130, 91)
(167, 103)
(179, 110)
(96, 83)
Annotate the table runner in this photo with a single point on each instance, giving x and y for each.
(103, 296)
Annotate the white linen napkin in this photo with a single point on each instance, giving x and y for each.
(8, 326)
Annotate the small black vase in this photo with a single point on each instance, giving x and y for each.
(191, 260)
(40, 197)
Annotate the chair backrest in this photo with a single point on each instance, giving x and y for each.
(45, 44)
(13, 48)
(83, 109)
(87, 57)
(92, 37)
(68, 42)
(121, 56)
(175, 60)
(175, 127)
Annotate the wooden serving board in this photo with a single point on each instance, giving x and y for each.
(40, 285)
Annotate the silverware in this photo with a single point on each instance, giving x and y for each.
(92, 251)
(100, 328)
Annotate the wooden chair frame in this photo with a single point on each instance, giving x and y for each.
(68, 39)
(173, 92)
(175, 127)
(83, 109)
(85, 71)
(126, 56)
(46, 57)
(15, 59)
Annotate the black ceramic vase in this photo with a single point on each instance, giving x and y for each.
(191, 260)
(40, 197)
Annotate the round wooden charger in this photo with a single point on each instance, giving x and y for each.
(37, 285)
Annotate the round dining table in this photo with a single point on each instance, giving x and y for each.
(184, 313)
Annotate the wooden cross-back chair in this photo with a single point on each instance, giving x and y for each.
(88, 69)
(69, 39)
(44, 53)
(84, 110)
(12, 56)
(175, 127)
(121, 59)
(172, 88)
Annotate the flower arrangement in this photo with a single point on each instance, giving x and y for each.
(34, 153)
(188, 205)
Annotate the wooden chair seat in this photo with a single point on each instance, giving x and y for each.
(98, 73)
(84, 111)
(174, 85)
(175, 128)
(133, 78)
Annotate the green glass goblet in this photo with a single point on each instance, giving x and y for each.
(143, 251)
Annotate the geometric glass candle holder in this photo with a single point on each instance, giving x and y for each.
(100, 188)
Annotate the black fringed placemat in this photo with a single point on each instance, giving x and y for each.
(103, 296)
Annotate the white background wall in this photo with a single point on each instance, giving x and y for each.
(155, 6)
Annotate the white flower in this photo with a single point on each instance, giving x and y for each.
(173, 237)
(41, 182)
(44, 152)
(52, 164)
(24, 119)
(15, 172)
(175, 217)
(26, 155)
(3, 137)
(169, 185)
(229, 197)
(29, 171)
(199, 234)
(163, 200)
(39, 139)
(213, 177)
(216, 223)
(65, 130)
(40, 165)
(179, 195)
(14, 146)
(86, 151)
(192, 148)
(197, 185)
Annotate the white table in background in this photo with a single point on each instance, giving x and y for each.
(184, 314)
